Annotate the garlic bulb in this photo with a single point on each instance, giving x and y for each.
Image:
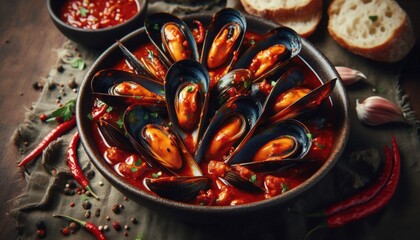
(350, 76)
(377, 110)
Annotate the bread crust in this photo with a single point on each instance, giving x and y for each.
(312, 10)
(394, 49)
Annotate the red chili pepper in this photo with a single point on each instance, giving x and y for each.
(372, 205)
(366, 194)
(54, 134)
(74, 166)
(199, 37)
(86, 225)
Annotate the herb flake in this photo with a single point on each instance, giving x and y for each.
(83, 11)
(78, 63)
(65, 112)
(373, 18)
(253, 178)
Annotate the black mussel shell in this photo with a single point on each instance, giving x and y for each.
(114, 136)
(180, 75)
(235, 179)
(154, 24)
(141, 68)
(245, 107)
(220, 20)
(305, 104)
(283, 36)
(177, 188)
(274, 164)
(104, 81)
(290, 127)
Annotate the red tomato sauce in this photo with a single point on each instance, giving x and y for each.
(132, 168)
(97, 14)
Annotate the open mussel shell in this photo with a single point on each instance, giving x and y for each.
(149, 133)
(305, 104)
(104, 85)
(186, 91)
(280, 44)
(172, 37)
(235, 179)
(290, 128)
(223, 38)
(235, 83)
(273, 164)
(150, 66)
(114, 136)
(177, 188)
(244, 111)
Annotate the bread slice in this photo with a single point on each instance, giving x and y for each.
(304, 26)
(301, 15)
(376, 29)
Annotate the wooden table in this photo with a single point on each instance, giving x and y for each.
(27, 37)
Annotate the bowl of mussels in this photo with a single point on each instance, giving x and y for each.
(215, 113)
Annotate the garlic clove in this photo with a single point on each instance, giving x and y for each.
(349, 75)
(377, 110)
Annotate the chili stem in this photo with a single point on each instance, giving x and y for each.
(54, 134)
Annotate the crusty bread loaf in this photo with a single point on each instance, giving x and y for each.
(301, 15)
(376, 29)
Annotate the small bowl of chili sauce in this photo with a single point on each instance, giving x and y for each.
(97, 23)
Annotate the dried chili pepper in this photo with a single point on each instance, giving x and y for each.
(72, 160)
(374, 204)
(198, 32)
(74, 166)
(366, 194)
(54, 134)
(86, 225)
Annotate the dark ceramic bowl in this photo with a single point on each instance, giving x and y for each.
(309, 54)
(98, 38)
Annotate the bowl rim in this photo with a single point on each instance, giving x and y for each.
(142, 4)
(116, 180)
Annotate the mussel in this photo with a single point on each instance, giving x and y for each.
(177, 188)
(235, 83)
(116, 86)
(114, 136)
(172, 37)
(186, 91)
(153, 137)
(274, 52)
(149, 64)
(223, 39)
(298, 143)
(230, 126)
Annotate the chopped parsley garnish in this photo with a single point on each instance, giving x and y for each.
(285, 187)
(65, 112)
(273, 83)
(133, 169)
(137, 162)
(309, 136)
(109, 109)
(146, 116)
(373, 18)
(190, 89)
(78, 63)
(253, 178)
(155, 175)
(120, 122)
(83, 11)
(137, 97)
(320, 145)
(90, 116)
(156, 26)
(252, 42)
(154, 114)
(246, 84)
(151, 55)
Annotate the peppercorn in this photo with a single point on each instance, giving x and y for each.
(116, 209)
(108, 218)
(65, 231)
(98, 212)
(133, 220)
(87, 214)
(86, 204)
(69, 192)
(116, 225)
(74, 226)
(90, 174)
(40, 224)
(40, 233)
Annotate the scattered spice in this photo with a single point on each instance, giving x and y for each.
(133, 220)
(87, 225)
(90, 174)
(98, 212)
(87, 214)
(65, 231)
(116, 225)
(40, 233)
(116, 209)
(86, 204)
